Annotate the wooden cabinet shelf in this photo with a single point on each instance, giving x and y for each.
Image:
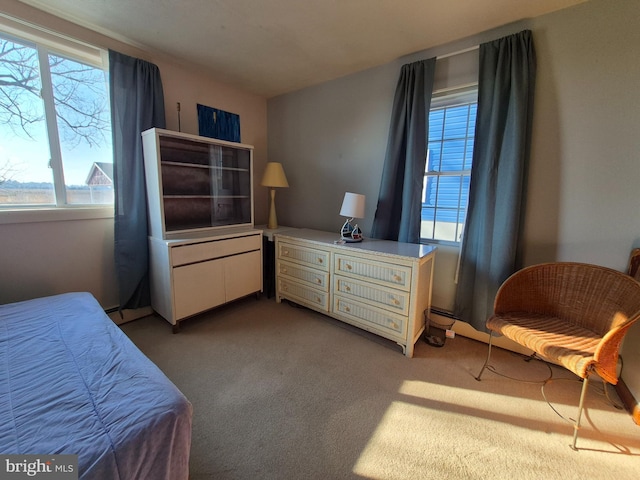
(196, 183)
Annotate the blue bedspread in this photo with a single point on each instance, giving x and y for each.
(71, 382)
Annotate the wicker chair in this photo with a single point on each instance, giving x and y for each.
(634, 264)
(572, 314)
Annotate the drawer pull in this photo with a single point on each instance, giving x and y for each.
(318, 300)
(397, 278)
(285, 252)
(395, 301)
(347, 288)
(318, 281)
(349, 267)
(347, 309)
(320, 260)
(283, 270)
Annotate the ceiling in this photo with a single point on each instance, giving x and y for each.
(270, 47)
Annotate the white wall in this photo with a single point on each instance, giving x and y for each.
(46, 257)
(585, 160)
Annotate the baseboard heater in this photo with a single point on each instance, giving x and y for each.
(443, 313)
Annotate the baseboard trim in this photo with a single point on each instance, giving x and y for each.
(628, 400)
(464, 329)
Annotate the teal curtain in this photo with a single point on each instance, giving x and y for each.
(137, 104)
(491, 244)
(400, 199)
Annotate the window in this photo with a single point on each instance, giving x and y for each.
(448, 171)
(55, 123)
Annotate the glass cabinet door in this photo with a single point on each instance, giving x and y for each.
(204, 184)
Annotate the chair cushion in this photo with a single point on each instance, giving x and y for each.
(558, 341)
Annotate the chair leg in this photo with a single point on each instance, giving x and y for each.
(576, 425)
(486, 362)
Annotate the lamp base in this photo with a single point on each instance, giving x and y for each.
(273, 218)
(349, 233)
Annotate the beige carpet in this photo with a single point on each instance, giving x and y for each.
(281, 392)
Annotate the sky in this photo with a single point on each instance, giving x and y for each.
(24, 157)
(29, 158)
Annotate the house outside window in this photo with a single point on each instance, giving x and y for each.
(55, 122)
(448, 170)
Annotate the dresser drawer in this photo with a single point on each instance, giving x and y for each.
(311, 276)
(311, 257)
(396, 276)
(380, 297)
(198, 252)
(303, 294)
(370, 317)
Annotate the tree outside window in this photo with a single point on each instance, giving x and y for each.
(55, 128)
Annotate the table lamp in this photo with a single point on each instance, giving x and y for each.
(273, 178)
(352, 207)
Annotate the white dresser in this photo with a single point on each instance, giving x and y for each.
(380, 286)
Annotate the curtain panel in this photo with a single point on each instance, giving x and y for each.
(492, 241)
(400, 198)
(137, 104)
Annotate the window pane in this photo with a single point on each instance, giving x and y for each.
(82, 113)
(447, 175)
(430, 191)
(453, 154)
(445, 228)
(428, 222)
(456, 122)
(433, 157)
(25, 177)
(436, 122)
(468, 154)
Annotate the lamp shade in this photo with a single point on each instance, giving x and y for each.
(274, 176)
(353, 205)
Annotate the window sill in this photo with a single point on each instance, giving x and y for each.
(440, 243)
(53, 214)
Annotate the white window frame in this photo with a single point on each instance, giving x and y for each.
(47, 42)
(446, 98)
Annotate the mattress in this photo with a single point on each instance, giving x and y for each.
(71, 382)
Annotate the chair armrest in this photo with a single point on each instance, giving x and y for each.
(606, 355)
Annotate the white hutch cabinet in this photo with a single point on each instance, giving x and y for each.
(380, 286)
(203, 249)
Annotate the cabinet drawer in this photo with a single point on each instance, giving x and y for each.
(303, 294)
(308, 275)
(306, 256)
(396, 276)
(392, 299)
(371, 317)
(197, 252)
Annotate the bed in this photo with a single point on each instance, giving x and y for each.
(71, 382)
